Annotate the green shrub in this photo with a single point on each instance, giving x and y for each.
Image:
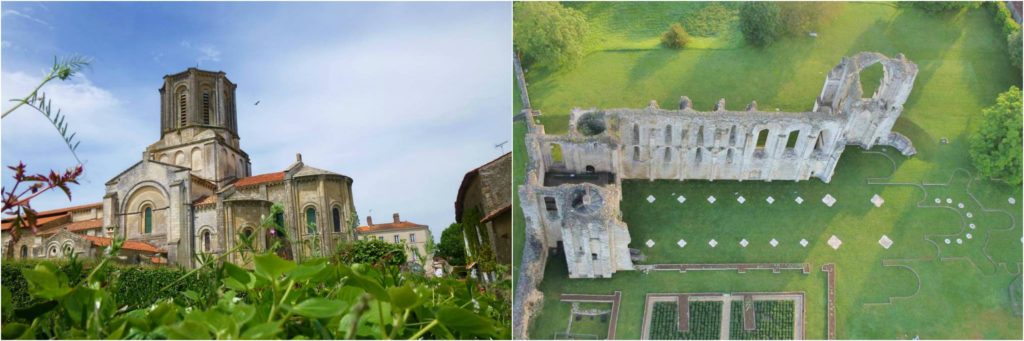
(995, 146)
(591, 123)
(139, 287)
(676, 37)
(760, 22)
(373, 251)
(1003, 17)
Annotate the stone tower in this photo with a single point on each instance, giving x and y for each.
(199, 127)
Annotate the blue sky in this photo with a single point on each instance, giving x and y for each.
(403, 97)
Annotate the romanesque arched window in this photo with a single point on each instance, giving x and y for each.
(700, 136)
(207, 241)
(336, 218)
(668, 135)
(636, 153)
(197, 159)
(732, 136)
(698, 156)
(179, 158)
(182, 96)
(762, 138)
(311, 220)
(206, 105)
(147, 217)
(728, 156)
(279, 219)
(668, 155)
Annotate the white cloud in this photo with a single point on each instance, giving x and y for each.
(208, 53)
(11, 12)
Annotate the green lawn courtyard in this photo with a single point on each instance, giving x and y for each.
(956, 251)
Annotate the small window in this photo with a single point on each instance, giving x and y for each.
(593, 256)
(728, 156)
(698, 156)
(206, 241)
(148, 217)
(636, 153)
(762, 138)
(24, 251)
(700, 136)
(556, 153)
(311, 220)
(412, 237)
(396, 239)
(279, 219)
(636, 133)
(590, 169)
(668, 135)
(668, 154)
(549, 203)
(794, 136)
(182, 107)
(732, 136)
(206, 106)
(336, 218)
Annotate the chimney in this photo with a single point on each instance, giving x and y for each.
(396, 217)
(369, 221)
(298, 157)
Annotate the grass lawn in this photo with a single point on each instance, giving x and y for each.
(590, 326)
(705, 321)
(921, 286)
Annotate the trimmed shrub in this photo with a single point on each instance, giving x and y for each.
(676, 37)
(374, 251)
(995, 145)
(710, 20)
(140, 287)
(944, 6)
(800, 17)
(1004, 17)
(760, 22)
(1013, 46)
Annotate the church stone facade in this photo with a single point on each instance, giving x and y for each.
(193, 191)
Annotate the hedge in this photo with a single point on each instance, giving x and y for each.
(1003, 17)
(131, 285)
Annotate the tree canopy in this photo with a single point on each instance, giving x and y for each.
(452, 247)
(373, 251)
(548, 34)
(760, 22)
(995, 145)
(676, 37)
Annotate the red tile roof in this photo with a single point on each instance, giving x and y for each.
(40, 221)
(388, 226)
(205, 200)
(59, 211)
(259, 179)
(85, 225)
(128, 244)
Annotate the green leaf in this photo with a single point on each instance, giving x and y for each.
(465, 321)
(263, 331)
(43, 282)
(367, 284)
(6, 303)
(242, 276)
(320, 308)
(403, 297)
(78, 304)
(306, 271)
(15, 330)
(189, 330)
(271, 266)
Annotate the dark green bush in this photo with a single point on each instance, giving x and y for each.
(944, 6)
(1003, 16)
(140, 287)
(372, 251)
(452, 246)
(710, 20)
(591, 124)
(1014, 45)
(676, 37)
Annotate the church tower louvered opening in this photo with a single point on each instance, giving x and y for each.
(197, 98)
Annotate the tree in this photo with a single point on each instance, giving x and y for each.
(452, 246)
(760, 22)
(548, 34)
(676, 37)
(995, 146)
(945, 6)
(1014, 45)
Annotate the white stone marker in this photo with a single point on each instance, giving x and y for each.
(799, 200)
(828, 200)
(681, 243)
(972, 226)
(949, 200)
(804, 242)
(885, 242)
(650, 243)
(711, 199)
(947, 241)
(959, 241)
(741, 199)
(969, 236)
(1011, 200)
(969, 215)
(774, 242)
(960, 205)
(713, 243)
(744, 242)
(877, 200)
(681, 199)
(650, 199)
(938, 201)
(834, 242)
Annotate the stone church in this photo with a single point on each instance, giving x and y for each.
(193, 192)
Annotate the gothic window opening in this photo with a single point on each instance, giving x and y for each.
(206, 106)
(556, 153)
(668, 155)
(819, 144)
(794, 136)
(728, 156)
(700, 136)
(336, 218)
(636, 153)
(683, 134)
(148, 218)
(311, 220)
(668, 135)
(698, 157)
(732, 136)
(762, 138)
(636, 133)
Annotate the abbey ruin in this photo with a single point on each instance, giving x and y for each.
(573, 184)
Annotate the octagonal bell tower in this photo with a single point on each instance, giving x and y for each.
(199, 126)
